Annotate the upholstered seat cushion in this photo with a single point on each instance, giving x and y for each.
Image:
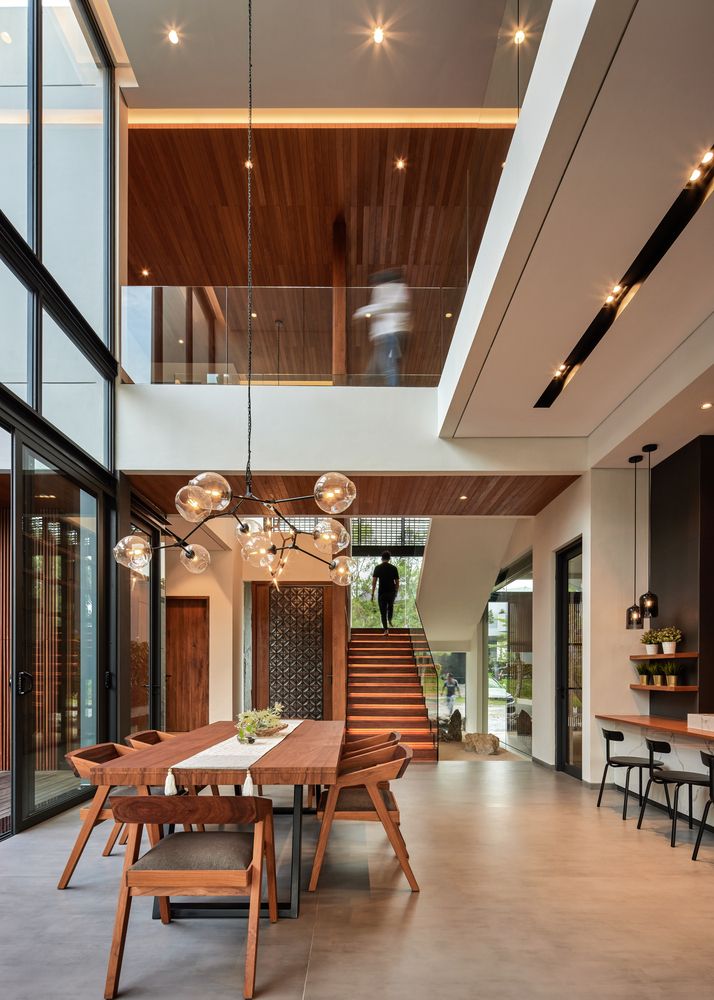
(215, 850)
(683, 777)
(356, 799)
(633, 762)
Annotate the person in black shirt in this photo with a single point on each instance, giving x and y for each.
(388, 578)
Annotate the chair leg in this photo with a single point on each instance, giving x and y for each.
(395, 837)
(640, 769)
(251, 947)
(669, 804)
(124, 836)
(627, 792)
(194, 790)
(310, 795)
(215, 790)
(116, 830)
(674, 815)
(691, 807)
(271, 876)
(644, 803)
(90, 820)
(602, 785)
(700, 834)
(121, 920)
(327, 818)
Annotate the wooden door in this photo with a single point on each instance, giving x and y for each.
(186, 663)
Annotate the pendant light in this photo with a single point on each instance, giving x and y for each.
(633, 615)
(649, 605)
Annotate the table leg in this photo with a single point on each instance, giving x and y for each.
(296, 860)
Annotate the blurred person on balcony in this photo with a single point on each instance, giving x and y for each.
(389, 317)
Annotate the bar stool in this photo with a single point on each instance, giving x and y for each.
(616, 736)
(665, 777)
(708, 761)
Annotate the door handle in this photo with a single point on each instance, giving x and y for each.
(25, 682)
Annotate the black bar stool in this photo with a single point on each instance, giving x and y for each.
(665, 777)
(630, 763)
(708, 761)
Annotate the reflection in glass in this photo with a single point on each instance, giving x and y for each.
(574, 732)
(14, 330)
(140, 630)
(74, 159)
(5, 637)
(14, 114)
(510, 661)
(59, 532)
(74, 394)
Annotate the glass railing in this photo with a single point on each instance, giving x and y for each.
(198, 336)
(428, 677)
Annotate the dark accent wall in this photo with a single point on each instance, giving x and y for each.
(682, 573)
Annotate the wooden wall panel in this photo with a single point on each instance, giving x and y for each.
(187, 663)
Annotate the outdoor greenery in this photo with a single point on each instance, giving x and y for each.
(365, 614)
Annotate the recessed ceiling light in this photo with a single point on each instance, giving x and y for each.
(448, 315)
(180, 341)
(174, 36)
(45, 496)
(145, 272)
(519, 37)
(707, 158)
(254, 315)
(617, 289)
(378, 35)
(695, 174)
(7, 38)
(706, 406)
(401, 163)
(610, 298)
(462, 497)
(368, 315)
(561, 368)
(248, 164)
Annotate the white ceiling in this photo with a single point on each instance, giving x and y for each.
(651, 121)
(319, 53)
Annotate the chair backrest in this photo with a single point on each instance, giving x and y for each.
(656, 746)
(351, 746)
(399, 758)
(611, 734)
(708, 762)
(147, 738)
(187, 809)
(388, 740)
(367, 758)
(82, 761)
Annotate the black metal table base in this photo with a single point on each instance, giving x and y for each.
(231, 909)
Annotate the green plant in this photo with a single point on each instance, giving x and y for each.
(643, 669)
(650, 637)
(669, 668)
(252, 724)
(670, 633)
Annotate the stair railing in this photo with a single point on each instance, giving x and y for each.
(428, 677)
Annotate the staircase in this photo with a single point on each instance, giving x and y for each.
(384, 692)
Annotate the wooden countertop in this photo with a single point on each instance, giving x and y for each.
(676, 726)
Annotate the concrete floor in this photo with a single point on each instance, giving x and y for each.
(528, 891)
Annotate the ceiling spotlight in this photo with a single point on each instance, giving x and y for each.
(695, 174)
(174, 36)
(7, 38)
(519, 37)
(378, 35)
(561, 368)
(401, 163)
(610, 298)
(145, 272)
(368, 315)
(706, 406)
(180, 341)
(45, 496)
(448, 315)
(254, 315)
(617, 289)
(248, 164)
(462, 497)
(707, 158)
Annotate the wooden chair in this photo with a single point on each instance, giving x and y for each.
(358, 795)
(356, 749)
(366, 742)
(217, 863)
(82, 761)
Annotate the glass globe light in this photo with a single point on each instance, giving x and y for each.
(247, 529)
(198, 561)
(334, 492)
(218, 489)
(330, 536)
(257, 550)
(343, 570)
(133, 551)
(193, 503)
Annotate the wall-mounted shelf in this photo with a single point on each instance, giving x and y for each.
(666, 656)
(664, 687)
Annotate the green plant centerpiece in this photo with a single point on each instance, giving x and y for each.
(670, 670)
(643, 669)
(260, 722)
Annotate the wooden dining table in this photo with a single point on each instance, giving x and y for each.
(309, 755)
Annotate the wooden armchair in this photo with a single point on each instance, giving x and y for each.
(359, 794)
(216, 863)
(367, 742)
(82, 761)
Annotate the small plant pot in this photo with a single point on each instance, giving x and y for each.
(657, 680)
(652, 648)
(671, 681)
(644, 679)
(669, 648)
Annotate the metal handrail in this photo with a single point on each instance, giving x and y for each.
(426, 668)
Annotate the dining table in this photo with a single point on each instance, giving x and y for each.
(212, 755)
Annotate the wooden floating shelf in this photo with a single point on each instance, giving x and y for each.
(664, 687)
(666, 656)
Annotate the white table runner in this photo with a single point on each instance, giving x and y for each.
(230, 755)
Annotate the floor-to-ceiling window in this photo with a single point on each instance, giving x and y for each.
(569, 657)
(6, 720)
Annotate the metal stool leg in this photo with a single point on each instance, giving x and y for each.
(627, 792)
(644, 804)
(701, 830)
(666, 795)
(674, 814)
(640, 769)
(691, 807)
(602, 785)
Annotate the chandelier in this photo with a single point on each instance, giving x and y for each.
(209, 494)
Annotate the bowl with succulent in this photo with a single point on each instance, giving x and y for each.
(650, 640)
(670, 669)
(643, 671)
(669, 637)
(260, 722)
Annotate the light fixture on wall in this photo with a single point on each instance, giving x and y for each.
(649, 605)
(633, 615)
(209, 495)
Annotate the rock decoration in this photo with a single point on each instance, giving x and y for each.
(485, 743)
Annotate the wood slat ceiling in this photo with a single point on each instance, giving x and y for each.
(188, 191)
(402, 496)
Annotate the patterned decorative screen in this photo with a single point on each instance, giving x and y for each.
(295, 650)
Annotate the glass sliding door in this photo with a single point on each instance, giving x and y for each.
(569, 583)
(58, 682)
(6, 721)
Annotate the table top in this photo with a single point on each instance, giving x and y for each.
(309, 755)
(676, 726)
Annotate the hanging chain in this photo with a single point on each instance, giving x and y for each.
(248, 471)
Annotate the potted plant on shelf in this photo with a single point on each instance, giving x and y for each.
(669, 637)
(656, 671)
(669, 668)
(643, 669)
(650, 640)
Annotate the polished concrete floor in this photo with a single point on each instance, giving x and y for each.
(528, 891)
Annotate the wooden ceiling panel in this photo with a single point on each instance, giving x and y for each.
(398, 496)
